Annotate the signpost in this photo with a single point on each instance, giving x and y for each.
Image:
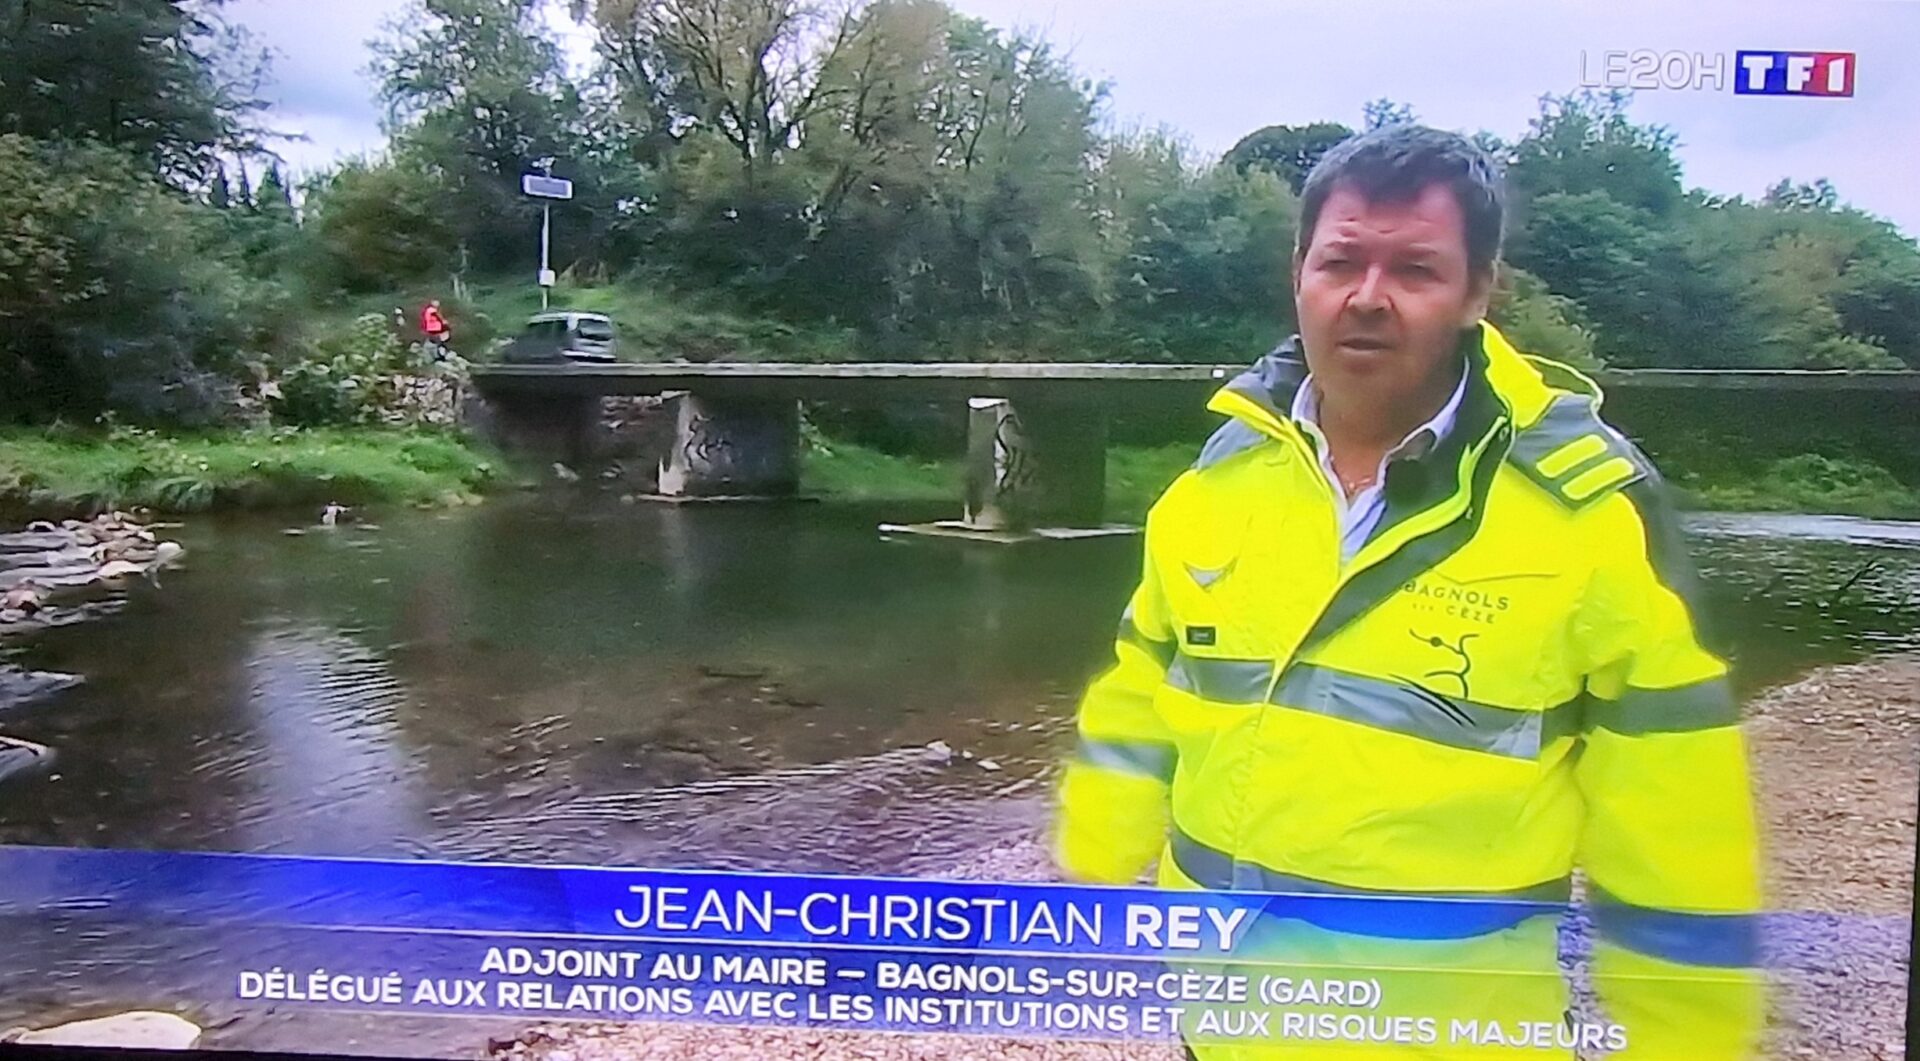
(546, 187)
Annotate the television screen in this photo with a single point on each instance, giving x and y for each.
(959, 528)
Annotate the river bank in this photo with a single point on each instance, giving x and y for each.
(1136, 476)
(54, 474)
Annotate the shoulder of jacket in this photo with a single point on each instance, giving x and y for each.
(1575, 456)
(1229, 440)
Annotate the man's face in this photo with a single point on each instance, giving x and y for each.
(1382, 292)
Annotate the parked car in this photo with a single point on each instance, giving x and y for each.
(563, 335)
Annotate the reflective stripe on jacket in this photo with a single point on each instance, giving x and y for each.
(1507, 681)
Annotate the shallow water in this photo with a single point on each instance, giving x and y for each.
(743, 687)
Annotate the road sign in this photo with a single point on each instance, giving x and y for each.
(547, 278)
(546, 187)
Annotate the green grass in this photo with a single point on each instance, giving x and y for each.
(1137, 475)
(48, 472)
(847, 470)
(1806, 482)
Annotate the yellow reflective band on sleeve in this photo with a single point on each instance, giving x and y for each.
(1609, 473)
(1584, 448)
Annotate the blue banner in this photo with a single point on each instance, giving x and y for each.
(827, 951)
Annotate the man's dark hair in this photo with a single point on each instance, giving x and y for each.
(1395, 164)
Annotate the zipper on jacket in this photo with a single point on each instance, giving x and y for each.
(1348, 572)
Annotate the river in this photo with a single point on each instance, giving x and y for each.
(562, 678)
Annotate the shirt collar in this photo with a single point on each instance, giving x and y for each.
(1422, 439)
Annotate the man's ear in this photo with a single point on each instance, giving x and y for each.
(1479, 296)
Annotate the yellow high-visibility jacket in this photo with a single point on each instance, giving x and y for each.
(1505, 683)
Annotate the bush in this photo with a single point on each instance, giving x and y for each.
(116, 293)
(378, 225)
(1541, 322)
(1808, 482)
(344, 379)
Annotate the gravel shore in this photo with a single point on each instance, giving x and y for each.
(1836, 760)
(1836, 769)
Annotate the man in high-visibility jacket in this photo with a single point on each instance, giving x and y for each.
(1418, 622)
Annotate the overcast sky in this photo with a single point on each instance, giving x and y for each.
(1216, 70)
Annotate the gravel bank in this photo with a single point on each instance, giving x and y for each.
(1836, 766)
(1836, 761)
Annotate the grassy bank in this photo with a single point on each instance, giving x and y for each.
(58, 472)
(1137, 475)
(1804, 483)
(54, 472)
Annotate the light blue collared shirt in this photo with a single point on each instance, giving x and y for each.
(1361, 513)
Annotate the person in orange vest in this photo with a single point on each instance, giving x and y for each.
(435, 327)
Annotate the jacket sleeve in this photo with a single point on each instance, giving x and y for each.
(1668, 843)
(1112, 815)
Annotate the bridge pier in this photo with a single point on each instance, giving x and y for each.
(732, 447)
(1034, 464)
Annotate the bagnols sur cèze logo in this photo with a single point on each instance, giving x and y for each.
(1748, 72)
(1438, 597)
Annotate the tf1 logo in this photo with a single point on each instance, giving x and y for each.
(1794, 73)
(1750, 72)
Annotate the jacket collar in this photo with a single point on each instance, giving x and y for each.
(1525, 385)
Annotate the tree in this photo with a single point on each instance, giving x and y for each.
(1786, 195)
(378, 224)
(476, 92)
(1584, 142)
(748, 71)
(1202, 253)
(1835, 287)
(1382, 112)
(164, 80)
(1656, 296)
(219, 195)
(1541, 322)
(115, 292)
(1287, 151)
(274, 198)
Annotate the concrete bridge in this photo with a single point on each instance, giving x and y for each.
(1037, 432)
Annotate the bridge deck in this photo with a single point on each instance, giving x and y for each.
(1093, 381)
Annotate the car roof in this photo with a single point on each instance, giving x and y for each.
(562, 315)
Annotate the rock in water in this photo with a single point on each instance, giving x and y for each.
(19, 686)
(26, 596)
(140, 1029)
(19, 757)
(113, 569)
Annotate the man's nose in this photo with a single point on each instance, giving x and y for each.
(1371, 295)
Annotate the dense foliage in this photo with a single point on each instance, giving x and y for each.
(893, 177)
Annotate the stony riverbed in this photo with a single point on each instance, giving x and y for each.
(45, 571)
